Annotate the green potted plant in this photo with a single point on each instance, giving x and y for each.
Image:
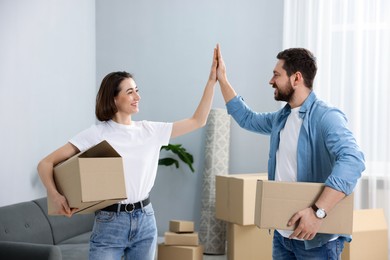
(181, 152)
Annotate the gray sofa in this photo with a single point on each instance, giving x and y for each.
(27, 232)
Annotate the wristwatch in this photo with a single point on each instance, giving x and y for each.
(320, 213)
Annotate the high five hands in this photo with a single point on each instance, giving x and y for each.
(221, 67)
(227, 90)
(218, 68)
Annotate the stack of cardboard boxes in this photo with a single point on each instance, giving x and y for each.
(181, 242)
(253, 206)
(235, 203)
(369, 236)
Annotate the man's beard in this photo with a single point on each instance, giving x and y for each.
(286, 95)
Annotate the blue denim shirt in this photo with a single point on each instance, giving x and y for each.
(327, 151)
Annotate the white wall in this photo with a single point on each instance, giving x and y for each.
(47, 86)
(168, 46)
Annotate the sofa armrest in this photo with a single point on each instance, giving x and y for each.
(21, 250)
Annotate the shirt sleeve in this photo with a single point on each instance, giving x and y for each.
(86, 139)
(162, 131)
(248, 119)
(349, 159)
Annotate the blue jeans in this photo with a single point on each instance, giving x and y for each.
(289, 249)
(131, 235)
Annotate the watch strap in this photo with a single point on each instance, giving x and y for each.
(315, 208)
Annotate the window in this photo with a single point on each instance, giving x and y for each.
(351, 40)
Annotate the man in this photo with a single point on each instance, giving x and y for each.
(309, 142)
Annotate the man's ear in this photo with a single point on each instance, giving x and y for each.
(297, 79)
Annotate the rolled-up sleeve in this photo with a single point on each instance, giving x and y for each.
(248, 119)
(349, 159)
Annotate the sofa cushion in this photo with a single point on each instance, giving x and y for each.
(74, 251)
(80, 239)
(64, 228)
(24, 222)
(23, 251)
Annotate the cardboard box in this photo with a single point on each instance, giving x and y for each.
(165, 252)
(181, 239)
(180, 226)
(369, 236)
(235, 197)
(277, 202)
(248, 242)
(91, 180)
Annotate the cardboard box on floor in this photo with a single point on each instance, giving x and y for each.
(181, 239)
(91, 180)
(165, 252)
(180, 226)
(369, 236)
(277, 202)
(248, 242)
(235, 197)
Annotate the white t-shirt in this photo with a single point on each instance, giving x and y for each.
(286, 155)
(138, 144)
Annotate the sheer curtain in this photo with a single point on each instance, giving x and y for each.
(351, 40)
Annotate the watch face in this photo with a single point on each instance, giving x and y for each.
(320, 213)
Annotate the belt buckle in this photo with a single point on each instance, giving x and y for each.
(133, 208)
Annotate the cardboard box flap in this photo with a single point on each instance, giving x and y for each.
(93, 206)
(102, 149)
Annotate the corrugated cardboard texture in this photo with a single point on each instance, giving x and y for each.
(235, 197)
(277, 202)
(101, 178)
(248, 242)
(181, 239)
(369, 236)
(92, 179)
(179, 226)
(165, 252)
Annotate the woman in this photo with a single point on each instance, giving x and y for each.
(118, 232)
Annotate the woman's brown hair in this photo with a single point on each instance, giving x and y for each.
(109, 88)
